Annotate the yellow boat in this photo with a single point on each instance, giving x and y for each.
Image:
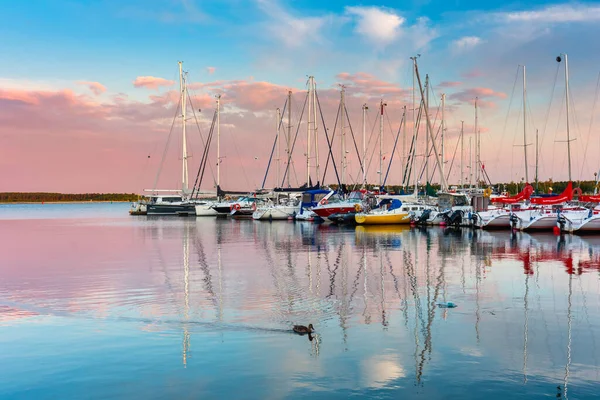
(383, 218)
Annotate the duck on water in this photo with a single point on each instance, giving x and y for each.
(303, 330)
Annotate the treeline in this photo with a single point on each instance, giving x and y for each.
(541, 187)
(38, 197)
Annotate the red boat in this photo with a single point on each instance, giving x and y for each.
(336, 205)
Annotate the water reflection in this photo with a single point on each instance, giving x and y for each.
(526, 320)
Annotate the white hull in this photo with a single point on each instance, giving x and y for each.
(307, 215)
(205, 210)
(590, 225)
(541, 219)
(493, 220)
(583, 224)
(275, 213)
(545, 222)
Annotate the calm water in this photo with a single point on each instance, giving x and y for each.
(97, 304)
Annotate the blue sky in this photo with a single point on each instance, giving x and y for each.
(51, 46)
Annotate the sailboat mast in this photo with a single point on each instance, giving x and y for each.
(316, 137)
(289, 136)
(525, 125)
(278, 146)
(470, 164)
(218, 142)
(462, 153)
(364, 143)
(404, 155)
(443, 182)
(414, 124)
(476, 145)
(427, 130)
(442, 134)
(308, 131)
(343, 134)
(184, 156)
(537, 154)
(567, 101)
(381, 144)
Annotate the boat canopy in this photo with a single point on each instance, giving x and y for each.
(525, 194)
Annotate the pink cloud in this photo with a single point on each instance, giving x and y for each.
(151, 82)
(210, 70)
(483, 94)
(449, 84)
(362, 83)
(474, 73)
(96, 87)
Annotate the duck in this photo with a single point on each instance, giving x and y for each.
(302, 330)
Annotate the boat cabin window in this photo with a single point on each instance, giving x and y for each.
(447, 200)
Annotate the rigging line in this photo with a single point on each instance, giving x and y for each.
(549, 106)
(453, 158)
(162, 161)
(556, 135)
(327, 137)
(369, 144)
(204, 160)
(370, 141)
(294, 144)
(237, 152)
(435, 167)
(576, 119)
(512, 94)
(353, 139)
(329, 155)
(413, 156)
(200, 131)
(394, 148)
(428, 153)
(367, 122)
(280, 122)
(591, 119)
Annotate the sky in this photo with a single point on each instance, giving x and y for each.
(89, 90)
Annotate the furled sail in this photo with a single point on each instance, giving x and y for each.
(525, 194)
(566, 195)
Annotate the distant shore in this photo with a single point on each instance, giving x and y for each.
(66, 202)
(47, 197)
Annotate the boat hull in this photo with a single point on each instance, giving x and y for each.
(590, 225)
(382, 219)
(325, 211)
(171, 209)
(541, 223)
(205, 210)
(499, 221)
(274, 213)
(346, 219)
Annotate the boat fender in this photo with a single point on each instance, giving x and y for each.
(357, 207)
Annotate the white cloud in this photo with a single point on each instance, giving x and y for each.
(377, 24)
(465, 43)
(291, 30)
(555, 14)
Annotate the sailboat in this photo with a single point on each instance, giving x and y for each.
(176, 204)
(285, 202)
(502, 217)
(552, 210)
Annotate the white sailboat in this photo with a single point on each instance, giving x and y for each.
(175, 204)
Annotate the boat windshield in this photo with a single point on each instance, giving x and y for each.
(356, 195)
